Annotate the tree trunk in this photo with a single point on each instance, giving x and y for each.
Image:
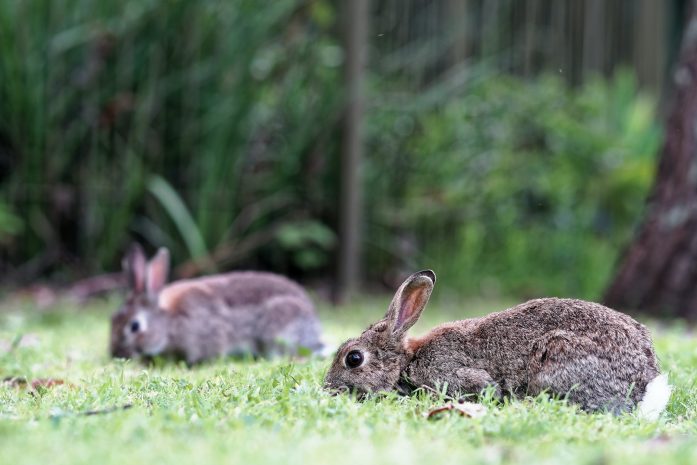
(350, 202)
(650, 43)
(658, 272)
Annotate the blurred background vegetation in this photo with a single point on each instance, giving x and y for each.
(509, 144)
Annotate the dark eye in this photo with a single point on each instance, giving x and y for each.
(135, 326)
(354, 359)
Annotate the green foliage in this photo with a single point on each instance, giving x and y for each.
(514, 186)
(10, 224)
(180, 216)
(211, 128)
(233, 411)
(195, 125)
(310, 242)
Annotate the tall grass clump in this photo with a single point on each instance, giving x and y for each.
(195, 125)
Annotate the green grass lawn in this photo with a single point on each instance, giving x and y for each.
(234, 411)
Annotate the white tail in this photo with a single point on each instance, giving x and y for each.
(655, 398)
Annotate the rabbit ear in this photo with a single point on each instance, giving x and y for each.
(410, 300)
(158, 269)
(134, 265)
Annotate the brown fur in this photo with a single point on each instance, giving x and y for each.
(594, 356)
(413, 344)
(198, 319)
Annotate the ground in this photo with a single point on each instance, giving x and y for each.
(244, 411)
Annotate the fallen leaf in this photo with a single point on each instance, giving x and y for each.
(46, 383)
(38, 383)
(465, 409)
(14, 381)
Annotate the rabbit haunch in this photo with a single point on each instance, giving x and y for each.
(198, 319)
(593, 356)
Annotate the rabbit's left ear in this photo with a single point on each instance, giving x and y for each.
(409, 301)
(134, 267)
(158, 269)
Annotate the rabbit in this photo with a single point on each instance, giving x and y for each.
(257, 313)
(596, 357)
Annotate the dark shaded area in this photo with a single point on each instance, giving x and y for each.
(658, 273)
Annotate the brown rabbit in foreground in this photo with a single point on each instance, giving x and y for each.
(198, 319)
(598, 358)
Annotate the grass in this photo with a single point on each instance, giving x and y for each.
(275, 411)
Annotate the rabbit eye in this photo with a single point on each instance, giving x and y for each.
(137, 325)
(354, 359)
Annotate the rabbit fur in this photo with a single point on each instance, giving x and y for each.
(593, 356)
(257, 313)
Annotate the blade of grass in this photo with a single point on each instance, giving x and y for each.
(180, 216)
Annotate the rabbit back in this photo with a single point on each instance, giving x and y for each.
(240, 313)
(235, 289)
(596, 356)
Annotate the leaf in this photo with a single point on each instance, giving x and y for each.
(46, 383)
(465, 409)
(38, 385)
(300, 233)
(10, 224)
(15, 381)
(180, 215)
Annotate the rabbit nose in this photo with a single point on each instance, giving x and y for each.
(120, 352)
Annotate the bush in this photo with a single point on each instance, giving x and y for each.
(515, 187)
